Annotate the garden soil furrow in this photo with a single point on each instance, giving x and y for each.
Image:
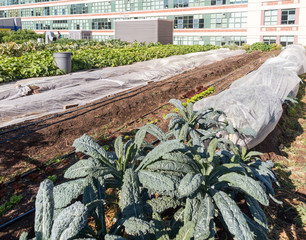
(36, 149)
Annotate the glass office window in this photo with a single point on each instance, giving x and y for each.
(59, 10)
(28, 25)
(183, 22)
(197, 3)
(218, 2)
(270, 17)
(191, 21)
(102, 37)
(27, 12)
(101, 7)
(288, 16)
(269, 39)
(238, 1)
(120, 6)
(103, 23)
(79, 24)
(180, 3)
(79, 9)
(12, 2)
(45, 25)
(131, 5)
(60, 24)
(39, 11)
(286, 40)
(237, 20)
(154, 4)
(227, 40)
(13, 13)
(218, 20)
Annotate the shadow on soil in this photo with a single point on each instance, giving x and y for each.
(13, 153)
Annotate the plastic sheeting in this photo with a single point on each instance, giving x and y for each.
(255, 100)
(84, 87)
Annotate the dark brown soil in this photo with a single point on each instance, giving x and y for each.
(44, 149)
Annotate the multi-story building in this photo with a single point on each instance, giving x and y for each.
(195, 21)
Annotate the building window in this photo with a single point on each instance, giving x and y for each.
(286, 40)
(185, 22)
(59, 10)
(29, 25)
(60, 24)
(102, 38)
(100, 7)
(78, 9)
(198, 23)
(269, 39)
(26, 12)
(270, 17)
(131, 5)
(79, 24)
(154, 4)
(166, 4)
(13, 13)
(103, 23)
(46, 11)
(188, 40)
(238, 1)
(237, 20)
(39, 11)
(180, 3)
(229, 40)
(12, 2)
(218, 2)
(288, 16)
(43, 26)
(218, 20)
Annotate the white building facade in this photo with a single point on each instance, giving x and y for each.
(215, 22)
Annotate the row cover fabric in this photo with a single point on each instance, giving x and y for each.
(255, 100)
(87, 86)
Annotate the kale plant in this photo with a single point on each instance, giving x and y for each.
(199, 128)
(193, 178)
(206, 189)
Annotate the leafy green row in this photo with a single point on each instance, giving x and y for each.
(41, 63)
(15, 49)
(20, 36)
(194, 175)
(260, 46)
(111, 57)
(29, 65)
(199, 96)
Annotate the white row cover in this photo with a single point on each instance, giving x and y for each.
(255, 100)
(87, 86)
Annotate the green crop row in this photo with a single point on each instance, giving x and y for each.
(260, 46)
(20, 36)
(199, 96)
(27, 66)
(38, 61)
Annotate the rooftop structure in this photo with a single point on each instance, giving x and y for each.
(195, 21)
